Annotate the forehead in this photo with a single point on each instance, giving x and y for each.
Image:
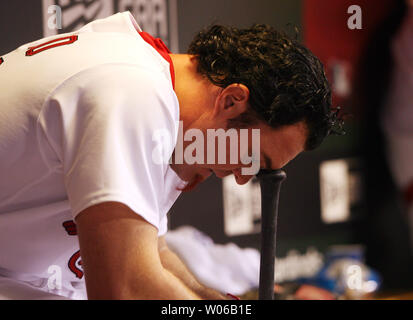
(283, 144)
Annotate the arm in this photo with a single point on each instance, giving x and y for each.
(119, 251)
(171, 262)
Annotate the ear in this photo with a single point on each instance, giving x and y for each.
(231, 101)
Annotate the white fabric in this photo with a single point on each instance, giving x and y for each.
(226, 268)
(11, 289)
(76, 129)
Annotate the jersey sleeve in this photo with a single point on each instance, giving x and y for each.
(107, 120)
(163, 226)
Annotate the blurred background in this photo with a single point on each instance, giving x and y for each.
(347, 200)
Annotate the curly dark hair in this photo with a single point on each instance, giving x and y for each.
(287, 82)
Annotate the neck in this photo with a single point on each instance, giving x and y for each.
(196, 96)
(195, 93)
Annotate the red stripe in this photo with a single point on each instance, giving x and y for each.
(162, 49)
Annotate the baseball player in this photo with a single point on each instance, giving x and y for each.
(83, 202)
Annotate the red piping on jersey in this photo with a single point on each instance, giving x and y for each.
(162, 49)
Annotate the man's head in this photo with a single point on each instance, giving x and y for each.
(260, 78)
(286, 81)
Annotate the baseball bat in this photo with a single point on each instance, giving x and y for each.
(270, 183)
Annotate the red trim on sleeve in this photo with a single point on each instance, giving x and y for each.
(162, 49)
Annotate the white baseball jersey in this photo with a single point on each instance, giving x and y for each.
(78, 116)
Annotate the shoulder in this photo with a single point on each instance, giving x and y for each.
(115, 78)
(117, 98)
(109, 87)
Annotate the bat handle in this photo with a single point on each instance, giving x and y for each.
(270, 183)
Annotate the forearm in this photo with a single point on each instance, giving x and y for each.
(173, 288)
(171, 262)
(151, 285)
(120, 257)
